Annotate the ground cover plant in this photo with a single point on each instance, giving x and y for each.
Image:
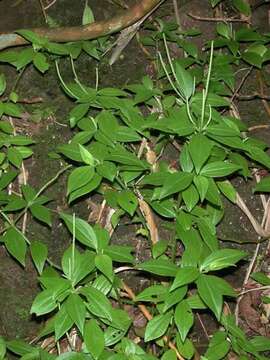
(163, 155)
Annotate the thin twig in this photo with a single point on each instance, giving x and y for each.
(253, 96)
(50, 4)
(241, 83)
(43, 11)
(265, 104)
(201, 18)
(261, 288)
(256, 127)
(176, 14)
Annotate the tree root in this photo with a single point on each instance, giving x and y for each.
(86, 32)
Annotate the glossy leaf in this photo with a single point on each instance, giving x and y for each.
(79, 177)
(98, 304)
(220, 259)
(174, 183)
(76, 310)
(157, 326)
(184, 80)
(159, 267)
(263, 185)
(16, 244)
(200, 149)
(184, 276)
(183, 318)
(219, 169)
(104, 265)
(83, 231)
(94, 338)
(39, 253)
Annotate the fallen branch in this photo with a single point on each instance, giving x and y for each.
(86, 32)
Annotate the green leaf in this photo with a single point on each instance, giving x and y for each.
(211, 289)
(14, 157)
(201, 183)
(79, 177)
(183, 318)
(83, 231)
(94, 338)
(32, 37)
(107, 169)
(125, 157)
(212, 99)
(19, 347)
(261, 278)
(76, 266)
(16, 204)
(215, 2)
(98, 304)
(2, 84)
(184, 80)
(174, 297)
(209, 237)
(77, 113)
(87, 157)
(128, 201)
(169, 355)
(39, 253)
(165, 208)
(85, 189)
(219, 346)
(160, 267)
(185, 159)
(40, 62)
(190, 197)
(252, 58)
(119, 253)
(13, 110)
(219, 169)
(126, 134)
(242, 6)
(76, 310)
(88, 16)
(227, 190)
(2, 348)
(7, 178)
(174, 183)
(195, 302)
(200, 149)
(224, 30)
(247, 34)
(184, 276)
(104, 264)
(260, 343)
(71, 151)
(263, 185)
(41, 213)
(44, 302)
(62, 322)
(220, 259)
(157, 326)
(186, 348)
(154, 293)
(16, 244)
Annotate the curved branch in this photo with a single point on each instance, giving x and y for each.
(86, 32)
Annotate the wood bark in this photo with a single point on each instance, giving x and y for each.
(86, 32)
